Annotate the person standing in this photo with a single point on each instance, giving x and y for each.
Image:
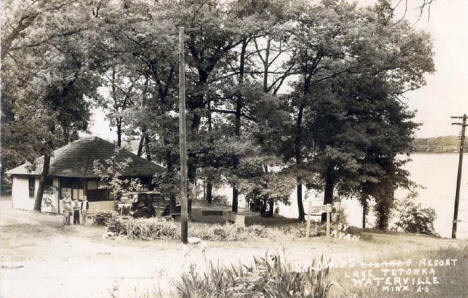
(76, 211)
(67, 209)
(84, 209)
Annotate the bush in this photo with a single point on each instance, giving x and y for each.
(160, 228)
(266, 277)
(228, 232)
(413, 218)
(152, 228)
(299, 230)
(116, 225)
(101, 218)
(144, 228)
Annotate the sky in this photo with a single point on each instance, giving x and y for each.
(446, 92)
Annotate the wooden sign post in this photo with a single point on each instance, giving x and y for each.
(328, 210)
(318, 210)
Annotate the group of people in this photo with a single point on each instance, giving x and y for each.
(76, 208)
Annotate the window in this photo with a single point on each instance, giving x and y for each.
(72, 183)
(31, 183)
(49, 181)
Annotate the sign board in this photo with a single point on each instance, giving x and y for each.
(319, 209)
(237, 219)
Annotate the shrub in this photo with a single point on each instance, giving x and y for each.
(152, 228)
(266, 277)
(116, 225)
(228, 232)
(144, 228)
(160, 228)
(413, 218)
(299, 230)
(101, 218)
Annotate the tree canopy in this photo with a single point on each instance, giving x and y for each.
(281, 94)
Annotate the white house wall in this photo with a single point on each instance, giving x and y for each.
(20, 193)
(21, 199)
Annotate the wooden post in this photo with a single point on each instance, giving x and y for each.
(459, 174)
(182, 140)
(59, 180)
(308, 216)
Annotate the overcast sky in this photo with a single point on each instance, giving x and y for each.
(446, 92)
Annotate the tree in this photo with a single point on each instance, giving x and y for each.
(110, 172)
(49, 72)
(361, 126)
(323, 44)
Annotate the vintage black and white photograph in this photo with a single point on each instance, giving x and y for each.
(234, 148)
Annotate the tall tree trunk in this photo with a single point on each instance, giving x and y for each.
(169, 173)
(235, 202)
(140, 145)
(3, 167)
(384, 204)
(329, 188)
(116, 107)
(262, 207)
(365, 210)
(194, 106)
(235, 191)
(147, 149)
(209, 192)
(271, 204)
(119, 132)
(191, 176)
(209, 185)
(300, 204)
(298, 142)
(42, 180)
(172, 196)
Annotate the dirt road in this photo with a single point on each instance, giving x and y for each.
(40, 257)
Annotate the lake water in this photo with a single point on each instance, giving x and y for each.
(437, 173)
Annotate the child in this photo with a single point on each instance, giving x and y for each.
(67, 209)
(84, 209)
(76, 211)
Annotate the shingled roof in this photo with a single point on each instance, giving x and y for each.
(77, 158)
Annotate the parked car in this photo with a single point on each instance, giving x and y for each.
(146, 204)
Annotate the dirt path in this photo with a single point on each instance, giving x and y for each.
(41, 256)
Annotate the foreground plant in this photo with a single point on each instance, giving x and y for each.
(269, 276)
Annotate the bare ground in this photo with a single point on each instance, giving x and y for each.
(39, 257)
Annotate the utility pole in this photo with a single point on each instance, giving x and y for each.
(183, 135)
(460, 164)
(182, 140)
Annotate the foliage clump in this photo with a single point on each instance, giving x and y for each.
(110, 172)
(269, 276)
(161, 228)
(143, 228)
(102, 218)
(228, 232)
(414, 218)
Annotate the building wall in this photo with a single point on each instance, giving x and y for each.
(21, 199)
(103, 206)
(20, 193)
(50, 201)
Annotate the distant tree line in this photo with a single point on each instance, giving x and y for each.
(281, 94)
